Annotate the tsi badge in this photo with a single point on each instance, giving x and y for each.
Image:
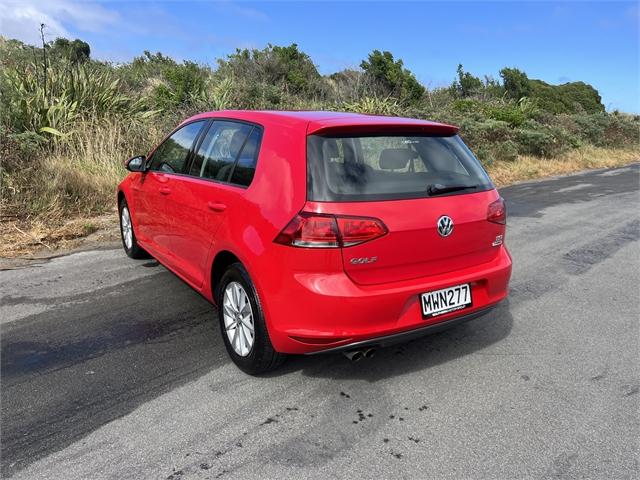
(363, 260)
(497, 241)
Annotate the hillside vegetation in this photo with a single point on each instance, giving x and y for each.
(67, 121)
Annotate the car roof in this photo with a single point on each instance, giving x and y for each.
(319, 122)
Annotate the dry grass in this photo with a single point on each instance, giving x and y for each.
(527, 167)
(78, 175)
(42, 238)
(54, 200)
(88, 175)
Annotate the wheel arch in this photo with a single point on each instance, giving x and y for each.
(222, 260)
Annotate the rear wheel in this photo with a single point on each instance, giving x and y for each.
(129, 242)
(244, 330)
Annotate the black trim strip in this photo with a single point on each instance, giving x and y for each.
(194, 150)
(235, 161)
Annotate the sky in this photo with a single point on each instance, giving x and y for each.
(558, 42)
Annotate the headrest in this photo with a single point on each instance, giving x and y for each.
(396, 158)
(237, 139)
(330, 149)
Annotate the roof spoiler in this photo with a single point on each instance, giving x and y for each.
(437, 129)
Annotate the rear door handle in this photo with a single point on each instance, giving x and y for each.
(216, 206)
(165, 190)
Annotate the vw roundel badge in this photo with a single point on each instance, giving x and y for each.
(445, 226)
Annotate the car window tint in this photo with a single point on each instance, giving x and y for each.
(388, 167)
(219, 150)
(171, 155)
(246, 166)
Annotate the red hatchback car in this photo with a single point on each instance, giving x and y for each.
(320, 231)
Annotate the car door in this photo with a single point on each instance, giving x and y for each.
(206, 196)
(165, 164)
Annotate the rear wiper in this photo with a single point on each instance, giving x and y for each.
(437, 189)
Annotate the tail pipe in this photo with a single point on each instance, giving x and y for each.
(369, 352)
(354, 355)
(357, 355)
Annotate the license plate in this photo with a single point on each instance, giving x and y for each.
(446, 300)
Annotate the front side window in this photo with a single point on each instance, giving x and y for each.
(393, 167)
(171, 155)
(219, 150)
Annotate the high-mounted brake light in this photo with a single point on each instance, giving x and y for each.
(314, 230)
(497, 212)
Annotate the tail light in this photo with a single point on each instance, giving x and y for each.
(314, 230)
(497, 212)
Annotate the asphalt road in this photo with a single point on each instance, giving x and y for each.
(113, 368)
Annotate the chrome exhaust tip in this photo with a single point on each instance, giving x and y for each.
(369, 352)
(354, 355)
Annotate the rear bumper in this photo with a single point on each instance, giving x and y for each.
(311, 312)
(388, 340)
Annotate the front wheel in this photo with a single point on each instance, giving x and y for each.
(244, 330)
(129, 242)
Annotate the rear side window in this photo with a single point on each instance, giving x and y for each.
(376, 167)
(219, 149)
(171, 155)
(246, 166)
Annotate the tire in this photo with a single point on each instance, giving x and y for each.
(128, 236)
(260, 356)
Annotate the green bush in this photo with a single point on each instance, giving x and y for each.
(16, 149)
(75, 51)
(622, 130)
(506, 151)
(375, 106)
(484, 155)
(468, 106)
(466, 84)
(391, 74)
(486, 132)
(607, 130)
(516, 83)
(543, 141)
(533, 142)
(574, 97)
(181, 83)
(509, 113)
(286, 68)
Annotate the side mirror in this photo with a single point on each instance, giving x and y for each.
(136, 164)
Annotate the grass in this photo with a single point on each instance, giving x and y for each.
(87, 175)
(40, 237)
(76, 177)
(527, 167)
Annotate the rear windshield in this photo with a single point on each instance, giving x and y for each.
(375, 167)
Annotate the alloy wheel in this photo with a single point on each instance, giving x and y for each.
(238, 318)
(127, 229)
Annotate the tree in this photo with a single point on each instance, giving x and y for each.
(75, 51)
(392, 76)
(181, 83)
(285, 67)
(573, 97)
(466, 84)
(516, 83)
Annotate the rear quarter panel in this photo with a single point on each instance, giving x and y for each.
(259, 213)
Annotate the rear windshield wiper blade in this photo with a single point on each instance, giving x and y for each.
(437, 189)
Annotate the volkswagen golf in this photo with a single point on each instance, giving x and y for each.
(319, 231)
